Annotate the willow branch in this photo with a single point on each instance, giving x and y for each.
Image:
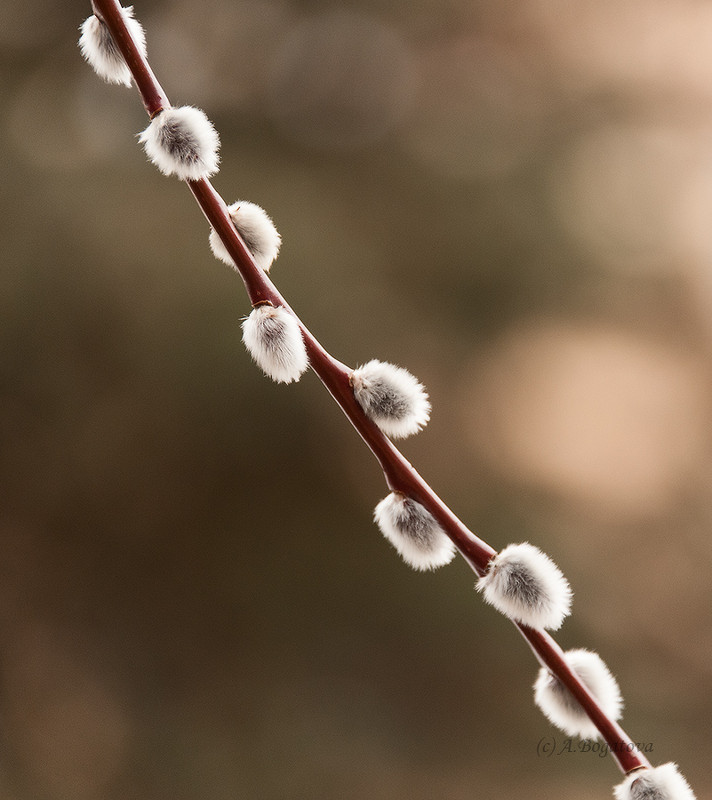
(399, 474)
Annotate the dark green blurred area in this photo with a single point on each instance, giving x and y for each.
(512, 200)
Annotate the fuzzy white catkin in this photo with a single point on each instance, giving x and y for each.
(526, 586)
(256, 230)
(562, 709)
(391, 397)
(659, 783)
(182, 142)
(100, 51)
(274, 340)
(414, 532)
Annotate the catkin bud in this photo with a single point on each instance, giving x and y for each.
(100, 51)
(526, 586)
(256, 230)
(562, 709)
(659, 783)
(391, 397)
(182, 142)
(274, 340)
(414, 532)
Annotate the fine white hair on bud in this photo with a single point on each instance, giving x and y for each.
(526, 586)
(100, 51)
(182, 142)
(391, 397)
(562, 709)
(658, 783)
(256, 230)
(274, 340)
(414, 532)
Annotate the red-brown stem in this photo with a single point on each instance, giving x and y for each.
(152, 94)
(399, 473)
(550, 655)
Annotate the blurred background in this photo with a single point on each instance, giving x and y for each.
(511, 199)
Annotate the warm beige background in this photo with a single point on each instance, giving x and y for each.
(511, 199)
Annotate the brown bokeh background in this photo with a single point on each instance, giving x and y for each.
(511, 199)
